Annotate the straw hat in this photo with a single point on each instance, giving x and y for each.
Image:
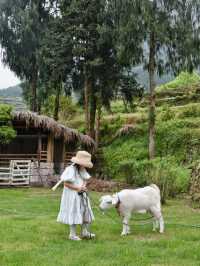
(82, 158)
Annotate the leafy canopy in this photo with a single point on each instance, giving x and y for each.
(7, 133)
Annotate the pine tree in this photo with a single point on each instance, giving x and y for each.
(90, 28)
(22, 24)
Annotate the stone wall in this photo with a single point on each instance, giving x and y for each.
(43, 174)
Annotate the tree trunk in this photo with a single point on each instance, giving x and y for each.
(92, 115)
(152, 96)
(98, 123)
(87, 89)
(33, 84)
(57, 102)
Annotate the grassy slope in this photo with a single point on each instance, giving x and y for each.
(176, 127)
(183, 80)
(30, 235)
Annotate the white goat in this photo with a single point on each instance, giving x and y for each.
(140, 200)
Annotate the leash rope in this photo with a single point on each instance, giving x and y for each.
(85, 199)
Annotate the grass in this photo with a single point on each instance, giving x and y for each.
(31, 236)
(184, 79)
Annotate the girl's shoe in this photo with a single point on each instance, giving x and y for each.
(74, 238)
(87, 235)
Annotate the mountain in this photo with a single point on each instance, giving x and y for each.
(14, 91)
(142, 77)
(13, 96)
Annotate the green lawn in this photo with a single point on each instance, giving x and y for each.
(30, 235)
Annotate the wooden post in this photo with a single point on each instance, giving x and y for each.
(50, 148)
(63, 155)
(39, 149)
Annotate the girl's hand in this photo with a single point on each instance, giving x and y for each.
(82, 188)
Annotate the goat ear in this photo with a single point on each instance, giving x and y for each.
(114, 199)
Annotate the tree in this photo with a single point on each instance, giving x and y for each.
(90, 29)
(158, 29)
(56, 53)
(7, 133)
(130, 88)
(22, 25)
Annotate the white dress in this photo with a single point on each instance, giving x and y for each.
(74, 208)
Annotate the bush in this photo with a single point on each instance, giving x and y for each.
(67, 108)
(7, 133)
(124, 148)
(164, 172)
(190, 110)
(166, 114)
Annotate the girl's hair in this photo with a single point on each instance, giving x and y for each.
(77, 166)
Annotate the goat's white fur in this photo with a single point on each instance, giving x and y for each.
(140, 200)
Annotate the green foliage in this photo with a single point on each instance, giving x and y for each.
(67, 108)
(125, 148)
(7, 133)
(174, 137)
(130, 89)
(5, 113)
(111, 126)
(22, 26)
(190, 110)
(164, 172)
(166, 113)
(177, 146)
(184, 79)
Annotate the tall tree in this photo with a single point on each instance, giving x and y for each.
(90, 28)
(56, 58)
(22, 24)
(158, 29)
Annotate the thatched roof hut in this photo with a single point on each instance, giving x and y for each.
(41, 138)
(45, 123)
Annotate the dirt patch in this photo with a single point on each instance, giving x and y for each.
(94, 184)
(100, 185)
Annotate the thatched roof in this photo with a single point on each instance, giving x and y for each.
(49, 124)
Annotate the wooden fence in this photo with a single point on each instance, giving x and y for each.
(17, 174)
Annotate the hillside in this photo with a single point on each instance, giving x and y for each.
(177, 138)
(13, 96)
(14, 91)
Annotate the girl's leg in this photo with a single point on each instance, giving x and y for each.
(72, 234)
(85, 231)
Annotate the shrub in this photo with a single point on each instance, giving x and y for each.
(122, 149)
(166, 114)
(67, 108)
(7, 133)
(190, 110)
(165, 172)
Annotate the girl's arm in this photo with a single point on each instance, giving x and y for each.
(74, 187)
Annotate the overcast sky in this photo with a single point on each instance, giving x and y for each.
(7, 78)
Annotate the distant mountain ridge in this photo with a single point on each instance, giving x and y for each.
(13, 91)
(13, 96)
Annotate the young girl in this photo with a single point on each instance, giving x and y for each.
(75, 205)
